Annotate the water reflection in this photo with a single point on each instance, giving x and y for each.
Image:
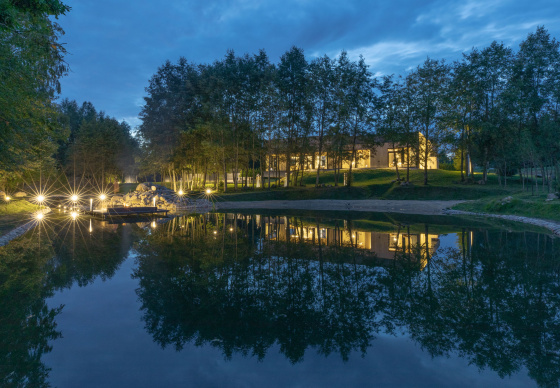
(52, 256)
(245, 283)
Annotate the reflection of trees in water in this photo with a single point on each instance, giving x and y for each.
(26, 323)
(494, 300)
(495, 303)
(31, 268)
(233, 292)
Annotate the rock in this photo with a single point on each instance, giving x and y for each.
(20, 194)
(507, 199)
(142, 187)
(551, 197)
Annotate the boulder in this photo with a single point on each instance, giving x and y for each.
(20, 194)
(507, 199)
(551, 197)
(142, 187)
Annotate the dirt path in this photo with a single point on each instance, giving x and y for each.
(373, 205)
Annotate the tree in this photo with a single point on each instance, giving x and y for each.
(321, 78)
(428, 82)
(32, 63)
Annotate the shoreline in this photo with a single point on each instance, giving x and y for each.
(419, 207)
(368, 205)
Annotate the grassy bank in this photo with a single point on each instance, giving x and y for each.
(380, 184)
(14, 213)
(521, 204)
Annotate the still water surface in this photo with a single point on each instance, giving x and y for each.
(252, 300)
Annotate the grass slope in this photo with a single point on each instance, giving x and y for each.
(14, 213)
(380, 184)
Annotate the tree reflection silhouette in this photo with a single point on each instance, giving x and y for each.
(219, 289)
(494, 300)
(32, 267)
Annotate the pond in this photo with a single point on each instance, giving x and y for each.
(280, 299)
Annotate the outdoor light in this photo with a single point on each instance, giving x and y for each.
(231, 229)
(180, 192)
(215, 232)
(40, 198)
(7, 199)
(74, 215)
(39, 216)
(154, 201)
(208, 191)
(91, 204)
(103, 197)
(74, 198)
(153, 224)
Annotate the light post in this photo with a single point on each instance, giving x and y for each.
(102, 197)
(74, 199)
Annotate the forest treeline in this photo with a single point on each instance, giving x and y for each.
(494, 108)
(241, 115)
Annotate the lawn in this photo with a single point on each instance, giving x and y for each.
(521, 204)
(381, 184)
(14, 213)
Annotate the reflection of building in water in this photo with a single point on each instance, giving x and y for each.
(384, 245)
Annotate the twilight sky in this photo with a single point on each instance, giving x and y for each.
(116, 46)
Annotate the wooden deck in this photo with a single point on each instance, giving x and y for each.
(128, 211)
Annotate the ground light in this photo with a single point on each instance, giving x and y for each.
(7, 199)
(180, 192)
(208, 191)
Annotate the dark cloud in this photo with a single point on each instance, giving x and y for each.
(116, 46)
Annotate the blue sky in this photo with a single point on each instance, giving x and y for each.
(116, 46)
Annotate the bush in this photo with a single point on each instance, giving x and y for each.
(447, 166)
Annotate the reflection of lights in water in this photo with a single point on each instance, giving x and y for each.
(74, 215)
(153, 224)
